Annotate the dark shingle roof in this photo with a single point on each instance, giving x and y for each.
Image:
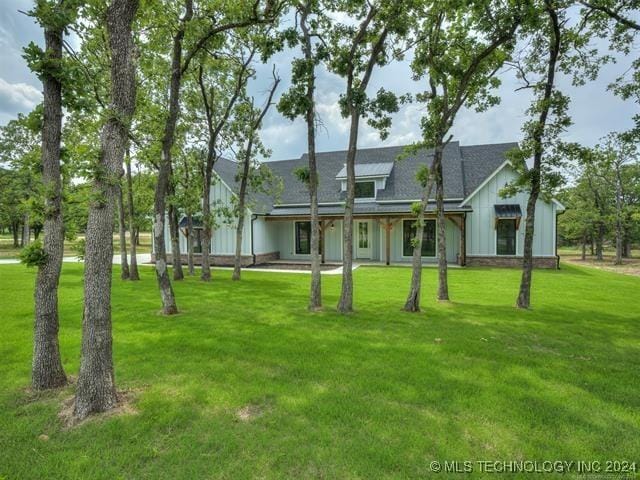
(464, 169)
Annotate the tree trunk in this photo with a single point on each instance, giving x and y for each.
(174, 230)
(47, 371)
(124, 265)
(191, 268)
(443, 287)
(15, 226)
(133, 267)
(627, 248)
(619, 226)
(412, 304)
(315, 293)
(169, 306)
(345, 304)
(26, 230)
(96, 391)
(207, 227)
(584, 248)
(242, 195)
(600, 241)
(524, 295)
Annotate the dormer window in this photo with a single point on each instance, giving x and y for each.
(370, 177)
(365, 189)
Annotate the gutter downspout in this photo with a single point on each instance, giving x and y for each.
(253, 254)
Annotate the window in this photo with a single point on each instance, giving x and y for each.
(506, 236)
(303, 238)
(428, 238)
(365, 190)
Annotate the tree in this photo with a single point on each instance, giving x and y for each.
(133, 267)
(355, 50)
(54, 17)
(219, 88)
(617, 20)
(96, 390)
(249, 121)
(459, 51)
(187, 195)
(299, 100)
(547, 41)
(122, 232)
(21, 154)
(617, 152)
(180, 64)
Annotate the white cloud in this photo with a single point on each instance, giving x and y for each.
(18, 97)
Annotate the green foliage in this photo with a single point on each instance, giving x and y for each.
(302, 174)
(33, 255)
(422, 175)
(80, 247)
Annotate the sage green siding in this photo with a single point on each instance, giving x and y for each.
(480, 227)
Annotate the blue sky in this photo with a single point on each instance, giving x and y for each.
(594, 110)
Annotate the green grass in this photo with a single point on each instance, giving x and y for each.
(371, 395)
(7, 250)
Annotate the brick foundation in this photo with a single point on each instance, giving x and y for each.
(512, 262)
(224, 260)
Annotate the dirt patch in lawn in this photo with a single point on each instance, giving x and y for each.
(123, 407)
(630, 266)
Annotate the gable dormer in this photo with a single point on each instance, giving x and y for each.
(370, 178)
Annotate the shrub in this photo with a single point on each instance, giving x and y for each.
(33, 255)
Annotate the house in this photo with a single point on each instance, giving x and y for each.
(481, 227)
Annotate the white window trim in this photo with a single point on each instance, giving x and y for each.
(402, 255)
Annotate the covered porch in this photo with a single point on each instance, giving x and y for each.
(377, 239)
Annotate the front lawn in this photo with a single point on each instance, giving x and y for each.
(244, 383)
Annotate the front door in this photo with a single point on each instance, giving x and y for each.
(363, 239)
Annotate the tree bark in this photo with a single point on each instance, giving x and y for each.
(207, 227)
(524, 296)
(237, 259)
(26, 230)
(619, 226)
(443, 286)
(174, 230)
(124, 265)
(345, 304)
(600, 241)
(133, 266)
(190, 244)
(169, 306)
(96, 391)
(15, 226)
(47, 371)
(412, 304)
(315, 293)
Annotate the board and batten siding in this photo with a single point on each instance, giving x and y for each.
(480, 227)
(224, 234)
(452, 235)
(283, 232)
